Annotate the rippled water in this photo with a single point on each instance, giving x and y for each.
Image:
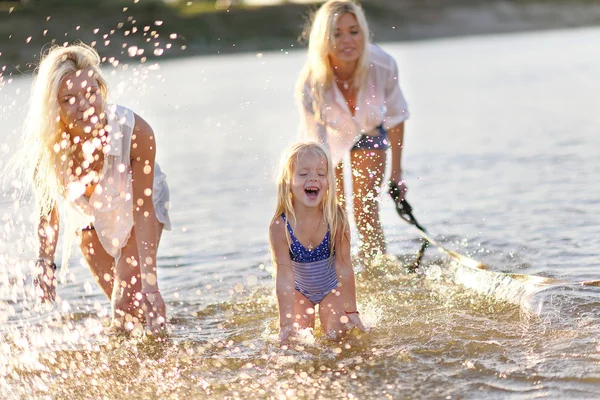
(501, 160)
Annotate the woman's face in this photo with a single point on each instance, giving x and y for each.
(81, 103)
(349, 40)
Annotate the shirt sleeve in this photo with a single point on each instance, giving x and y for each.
(310, 128)
(395, 104)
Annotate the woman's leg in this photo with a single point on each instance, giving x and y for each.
(101, 264)
(333, 315)
(368, 169)
(127, 282)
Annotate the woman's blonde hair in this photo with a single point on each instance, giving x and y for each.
(317, 75)
(333, 214)
(42, 154)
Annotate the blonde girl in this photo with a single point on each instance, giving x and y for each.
(97, 160)
(350, 100)
(310, 245)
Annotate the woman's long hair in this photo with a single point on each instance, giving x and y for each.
(333, 214)
(317, 75)
(43, 154)
(44, 148)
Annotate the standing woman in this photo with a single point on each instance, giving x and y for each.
(98, 161)
(350, 100)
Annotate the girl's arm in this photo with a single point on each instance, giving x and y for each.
(45, 269)
(284, 281)
(145, 224)
(346, 280)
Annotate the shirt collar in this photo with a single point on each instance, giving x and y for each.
(115, 136)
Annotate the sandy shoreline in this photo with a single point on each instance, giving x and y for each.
(148, 31)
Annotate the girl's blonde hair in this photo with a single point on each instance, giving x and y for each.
(44, 148)
(317, 75)
(333, 214)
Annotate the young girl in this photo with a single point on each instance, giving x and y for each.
(99, 160)
(310, 244)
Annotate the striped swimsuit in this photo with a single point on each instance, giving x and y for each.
(314, 272)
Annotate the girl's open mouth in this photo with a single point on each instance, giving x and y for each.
(311, 192)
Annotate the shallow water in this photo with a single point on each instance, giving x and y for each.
(501, 162)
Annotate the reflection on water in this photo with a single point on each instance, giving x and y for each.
(500, 158)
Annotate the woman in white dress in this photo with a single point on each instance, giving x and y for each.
(92, 165)
(350, 100)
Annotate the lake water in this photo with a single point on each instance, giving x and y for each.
(501, 162)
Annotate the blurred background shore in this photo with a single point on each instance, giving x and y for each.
(146, 29)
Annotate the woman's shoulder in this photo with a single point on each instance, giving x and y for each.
(380, 58)
(126, 116)
(143, 142)
(123, 115)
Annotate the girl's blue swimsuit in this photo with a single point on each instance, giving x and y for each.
(314, 272)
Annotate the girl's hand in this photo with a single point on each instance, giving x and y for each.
(44, 280)
(155, 311)
(285, 335)
(355, 322)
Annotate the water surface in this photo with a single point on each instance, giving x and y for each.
(501, 161)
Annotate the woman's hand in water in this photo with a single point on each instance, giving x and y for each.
(44, 280)
(155, 311)
(355, 322)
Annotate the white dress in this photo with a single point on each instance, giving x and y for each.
(379, 101)
(110, 208)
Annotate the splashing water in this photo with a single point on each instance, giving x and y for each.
(443, 333)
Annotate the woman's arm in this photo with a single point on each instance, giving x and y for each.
(45, 269)
(284, 280)
(346, 280)
(396, 114)
(145, 224)
(396, 135)
(311, 128)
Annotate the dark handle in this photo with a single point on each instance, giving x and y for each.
(402, 207)
(404, 210)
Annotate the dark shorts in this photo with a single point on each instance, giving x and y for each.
(380, 141)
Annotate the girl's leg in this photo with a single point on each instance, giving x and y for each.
(101, 264)
(331, 311)
(304, 311)
(368, 169)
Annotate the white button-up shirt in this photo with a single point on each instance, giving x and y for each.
(110, 207)
(378, 102)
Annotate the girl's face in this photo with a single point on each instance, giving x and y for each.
(349, 40)
(80, 102)
(309, 180)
